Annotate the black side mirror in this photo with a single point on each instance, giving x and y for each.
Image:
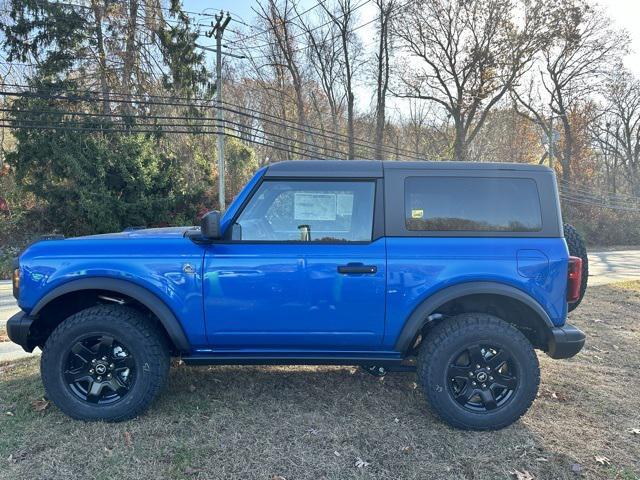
(210, 225)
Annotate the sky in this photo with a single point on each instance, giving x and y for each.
(624, 14)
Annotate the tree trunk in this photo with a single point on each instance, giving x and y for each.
(567, 151)
(130, 47)
(383, 77)
(102, 57)
(459, 143)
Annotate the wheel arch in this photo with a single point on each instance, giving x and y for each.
(507, 302)
(92, 287)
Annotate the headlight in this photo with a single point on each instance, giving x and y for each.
(16, 282)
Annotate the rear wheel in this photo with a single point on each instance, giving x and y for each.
(577, 248)
(107, 362)
(478, 372)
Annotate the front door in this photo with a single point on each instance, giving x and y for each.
(302, 270)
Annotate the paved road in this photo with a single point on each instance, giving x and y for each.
(604, 267)
(615, 266)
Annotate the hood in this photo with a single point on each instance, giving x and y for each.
(166, 232)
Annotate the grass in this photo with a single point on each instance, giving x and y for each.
(317, 422)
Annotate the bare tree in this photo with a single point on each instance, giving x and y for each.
(465, 56)
(617, 132)
(581, 47)
(284, 54)
(385, 9)
(325, 58)
(97, 8)
(344, 18)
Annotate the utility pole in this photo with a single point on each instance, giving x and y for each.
(218, 31)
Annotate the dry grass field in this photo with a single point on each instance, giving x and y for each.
(338, 423)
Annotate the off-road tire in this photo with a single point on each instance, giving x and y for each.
(577, 248)
(454, 334)
(148, 347)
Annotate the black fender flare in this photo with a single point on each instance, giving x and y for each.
(159, 308)
(418, 317)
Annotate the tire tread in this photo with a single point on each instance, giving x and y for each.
(133, 319)
(457, 325)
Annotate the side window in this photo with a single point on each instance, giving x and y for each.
(472, 204)
(320, 211)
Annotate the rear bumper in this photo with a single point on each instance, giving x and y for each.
(565, 342)
(18, 328)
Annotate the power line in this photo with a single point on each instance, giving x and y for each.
(584, 189)
(261, 32)
(306, 32)
(328, 134)
(120, 129)
(590, 195)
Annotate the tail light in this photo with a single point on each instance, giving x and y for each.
(574, 279)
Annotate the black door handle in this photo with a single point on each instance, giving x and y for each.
(357, 268)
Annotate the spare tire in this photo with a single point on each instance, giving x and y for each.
(577, 248)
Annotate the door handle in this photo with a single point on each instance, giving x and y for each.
(350, 268)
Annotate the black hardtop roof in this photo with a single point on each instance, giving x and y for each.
(375, 168)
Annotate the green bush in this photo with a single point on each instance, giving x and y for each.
(93, 182)
(603, 226)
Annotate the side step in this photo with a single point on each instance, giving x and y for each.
(388, 361)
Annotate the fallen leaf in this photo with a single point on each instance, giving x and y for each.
(128, 440)
(406, 450)
(397, 420)
(336, 453)
(313, 431)
(191, 471)
(40, 405)
(542, 459)
(551, 395)
(10, 414)
(635, 431)
(192, 388)
(277, 477)
(602, 460)
(361, 463)
(576, 468)
(522, 475)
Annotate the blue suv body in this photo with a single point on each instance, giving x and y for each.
(318, 262)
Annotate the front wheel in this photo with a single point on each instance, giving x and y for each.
(478, 372)
(107, 362)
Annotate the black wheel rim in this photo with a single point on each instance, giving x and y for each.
(482, 378)
(99, 370)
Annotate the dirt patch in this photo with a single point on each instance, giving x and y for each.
(338, 423)
(3, 334)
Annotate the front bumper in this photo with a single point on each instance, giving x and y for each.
(18, 328)
(565, 341)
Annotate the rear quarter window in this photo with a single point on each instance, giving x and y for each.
(472, 204)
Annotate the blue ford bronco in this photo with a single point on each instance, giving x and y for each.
(458, 271)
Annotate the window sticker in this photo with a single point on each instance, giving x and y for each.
(314, 206)
(345, 204)
(417, 213)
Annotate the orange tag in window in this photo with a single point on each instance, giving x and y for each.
(417, 213)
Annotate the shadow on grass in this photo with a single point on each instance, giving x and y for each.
(255, 422)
